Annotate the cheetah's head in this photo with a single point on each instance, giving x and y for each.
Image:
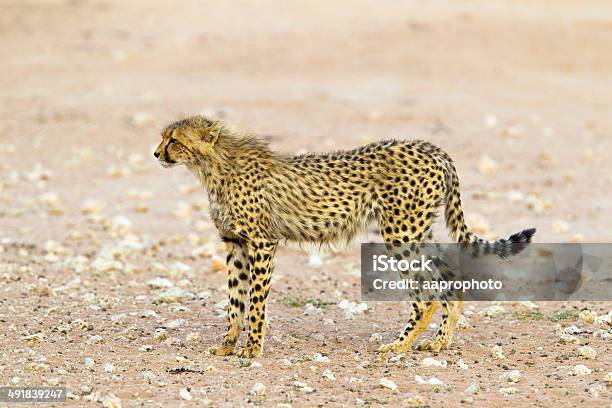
(187, 141)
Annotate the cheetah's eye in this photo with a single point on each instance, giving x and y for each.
(171, 140)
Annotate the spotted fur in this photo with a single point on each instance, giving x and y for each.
(259, 198)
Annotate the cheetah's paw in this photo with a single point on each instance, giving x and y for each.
(250, 351)
(396, 347)
(431, 345)
(226, 348)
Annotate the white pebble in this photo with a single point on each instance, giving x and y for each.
(386, 383)
(111, 401)
(329, 375)
(472, 388)
(605, 320)
(431, 381)
(258, 389)
(185, 394)
(319, 358)
(175, 324)
(498, 353)
(494, 311)
(310, 309)
(511, 376)
(351, 309)
(432, 362)
(581, 369)
(587, 352)
(508, 390)
(160, 283)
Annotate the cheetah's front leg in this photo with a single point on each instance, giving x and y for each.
(261, 254)
(238, 286)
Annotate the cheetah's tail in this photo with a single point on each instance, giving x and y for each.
(460, 233)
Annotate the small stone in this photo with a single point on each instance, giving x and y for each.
(397, 358)
(173, 295)
(432, 362)
(494, 311)
(386, 383)
(594, 391)
(175, 324)
(258, 389)
(463, 322)
(149, 377)
(72, 396)
(376, 338)
(431, 381)
(319, 358)
(508, 390)
(609, 378)
(160, 283)
(605, 320)
(581, 369)
(160, 334)
(511, 376)
(328, 374)
(149, 313)
(473, 388)
(351, 309)
(303, 386)
(85, 390)
(185, 394)
(89, 362)
(462, 365)
(498, 353)
(587, 352)
(587, 316)
(310, 309)
(414, 401)
(569, 339)
(109, 367)
(178, 269)
(111, 401)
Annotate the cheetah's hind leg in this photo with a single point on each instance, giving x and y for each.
(451, 310)
(420, 316)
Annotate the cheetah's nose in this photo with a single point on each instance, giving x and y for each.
(156, 154)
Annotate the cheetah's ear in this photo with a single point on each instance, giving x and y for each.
(211, 134)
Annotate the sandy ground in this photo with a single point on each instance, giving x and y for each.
(517, 92)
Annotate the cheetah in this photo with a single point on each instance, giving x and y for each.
(260, 198)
